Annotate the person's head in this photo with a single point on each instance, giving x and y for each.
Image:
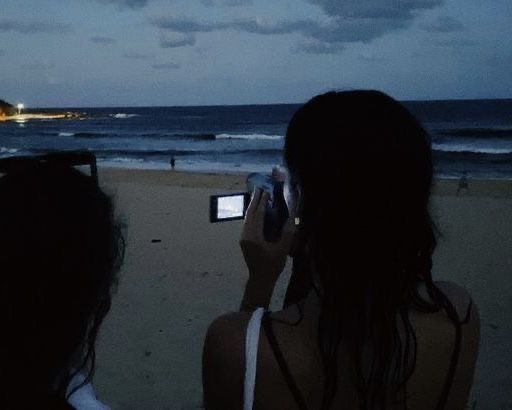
(60, 250)
(362, 166)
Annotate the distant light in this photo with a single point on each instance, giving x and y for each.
(21, 106)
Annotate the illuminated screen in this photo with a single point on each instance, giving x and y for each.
(230, 207)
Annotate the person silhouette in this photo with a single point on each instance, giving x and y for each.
(463, 183)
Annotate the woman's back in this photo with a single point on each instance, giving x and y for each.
(371, 337)
(297, 340)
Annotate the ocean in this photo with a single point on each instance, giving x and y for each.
(467, 135)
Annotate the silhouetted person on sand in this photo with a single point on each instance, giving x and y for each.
(172, 162)
(463, 182)
(364, 325)
(60, 250)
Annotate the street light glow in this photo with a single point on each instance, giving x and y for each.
(20, 107)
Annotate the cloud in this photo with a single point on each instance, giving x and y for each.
(444, 24)
(314, 46)
(137, 56)
(257, 26)
(375, 9)
(102, 40)
(344, 22)
(166, 66)
(131, 4)
(32, 27)
(177, 39)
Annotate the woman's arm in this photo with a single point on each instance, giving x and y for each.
(223, 362)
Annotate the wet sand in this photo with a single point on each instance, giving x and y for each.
(181, 272)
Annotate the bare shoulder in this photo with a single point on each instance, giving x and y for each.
(229, 323)
(460, 297)
(223, 361)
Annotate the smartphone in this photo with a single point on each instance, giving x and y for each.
(229, 207)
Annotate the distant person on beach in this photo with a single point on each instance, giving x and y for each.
(463, 182)
(364, 325)
(60, 249)
(173, 162)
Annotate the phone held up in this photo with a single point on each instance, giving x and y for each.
(231, 207)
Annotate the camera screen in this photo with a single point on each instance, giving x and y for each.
(230, 207)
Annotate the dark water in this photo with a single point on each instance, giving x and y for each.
(472, 135)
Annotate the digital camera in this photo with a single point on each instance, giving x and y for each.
(231, 207)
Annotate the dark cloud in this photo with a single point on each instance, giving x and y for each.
(187, 25)
(166, 66)
(132, 4)
(137, 56)
(331, 31)
(375, 9)
(345, 22)
(444, 24)
(33, 27)
(177, 39)
(102, 40)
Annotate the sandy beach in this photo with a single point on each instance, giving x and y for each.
(181, 272)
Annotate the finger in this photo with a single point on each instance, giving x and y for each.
(262, 205)
(258, 217)
(255, 200)
(288, 235)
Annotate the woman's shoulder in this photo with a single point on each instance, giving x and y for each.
(460, 298)
(230, 326)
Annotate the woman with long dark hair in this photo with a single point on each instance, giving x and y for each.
(60, 250)
(364, 325)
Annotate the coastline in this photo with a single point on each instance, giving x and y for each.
(181, 272)
(39, 116)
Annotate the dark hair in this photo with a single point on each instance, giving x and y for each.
(364, 167)
(60, 250)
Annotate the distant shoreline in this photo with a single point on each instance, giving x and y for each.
(40, 116)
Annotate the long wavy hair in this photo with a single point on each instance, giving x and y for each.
(60, 251)
(364, 167)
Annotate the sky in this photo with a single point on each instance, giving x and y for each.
(85, 53)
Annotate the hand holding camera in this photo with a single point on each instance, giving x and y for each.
(264, 258)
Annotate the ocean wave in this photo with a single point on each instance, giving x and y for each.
(185, 152)
(5, 150)
(66, 134)
(472, 157)
(471, 150)
(249, 136)
(477, 132)
(122, 115)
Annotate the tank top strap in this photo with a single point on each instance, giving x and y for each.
(252, 338)
(455, 358)
(285, 370)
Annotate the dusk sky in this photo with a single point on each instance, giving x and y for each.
(82, 53)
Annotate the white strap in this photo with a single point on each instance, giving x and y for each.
(252, 339)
